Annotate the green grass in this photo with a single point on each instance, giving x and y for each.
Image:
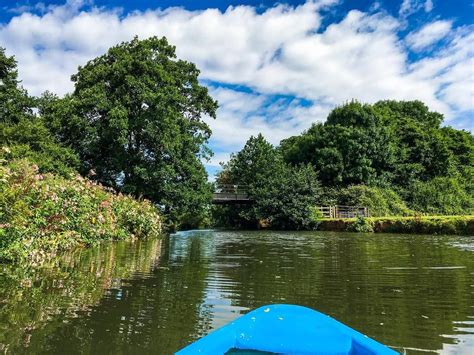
(460, 225)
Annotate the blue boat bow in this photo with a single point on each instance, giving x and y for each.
(286, 329)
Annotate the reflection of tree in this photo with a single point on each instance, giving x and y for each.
(38, 300)
(152, 311)
(384, 289)
(132, 298)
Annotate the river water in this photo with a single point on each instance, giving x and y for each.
(413, 293)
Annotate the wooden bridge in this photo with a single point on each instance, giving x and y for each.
(230, 194)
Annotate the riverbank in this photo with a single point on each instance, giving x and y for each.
(42, 215)
(450, 225)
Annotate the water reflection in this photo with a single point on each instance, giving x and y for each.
(410, 292)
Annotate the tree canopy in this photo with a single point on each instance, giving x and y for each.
(24, 132)
(388, 142)
(135, 118)
(135, 122)
(393, 157)
(283, 195)
(15, 103)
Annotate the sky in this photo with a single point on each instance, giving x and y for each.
(275, 68)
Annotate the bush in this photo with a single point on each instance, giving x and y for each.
(441, 195)
(381, 201)
(460, 225)
(315, 214)
(43, 214)
(30, 139)
(360, 225)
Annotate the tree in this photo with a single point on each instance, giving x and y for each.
(287, 198)
(352, 147)
(135, 117)
(23, 133)
(14, 100)
(389, 142)
(421, 149)
(282, 195)
(397, 145)
(252, 165)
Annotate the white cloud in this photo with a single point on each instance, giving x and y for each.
(244, 114)
(428, 34)
(217, 159)
(451, 71)
(428, 5)
(241, 115)
(409, 7)
(460, 90)
(280, 51)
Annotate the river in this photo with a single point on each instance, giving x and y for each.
(414, 293)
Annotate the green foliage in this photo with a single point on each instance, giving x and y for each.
(30, 139)
(287, 199)
(14, 101)
(444, 195)
(381, 201)
(251, 166)
(282, 194)
(135, 119)
(460, 225)
(389, 146)
(360, 225)
(315, 214)
(352, 147)
(42, 214)
(24, 133)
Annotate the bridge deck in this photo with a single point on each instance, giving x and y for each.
(230, 194)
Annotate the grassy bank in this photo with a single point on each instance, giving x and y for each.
(43, 214)
(459, 225)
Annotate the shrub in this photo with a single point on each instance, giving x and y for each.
(360, 225)
(381, 201)
(441, 195)
(43, 214)
(30, 139)
(315, 214)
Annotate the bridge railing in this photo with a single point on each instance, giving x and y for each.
(230, 193)
(230, 189)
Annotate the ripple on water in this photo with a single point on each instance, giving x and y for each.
(410, 292)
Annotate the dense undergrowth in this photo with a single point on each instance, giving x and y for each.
(43, 214)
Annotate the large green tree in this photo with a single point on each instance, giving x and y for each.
(352, 147)
(136, 118)
(397, 145)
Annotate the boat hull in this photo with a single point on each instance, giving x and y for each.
(286, 329)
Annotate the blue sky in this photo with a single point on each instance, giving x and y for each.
(275, 68)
